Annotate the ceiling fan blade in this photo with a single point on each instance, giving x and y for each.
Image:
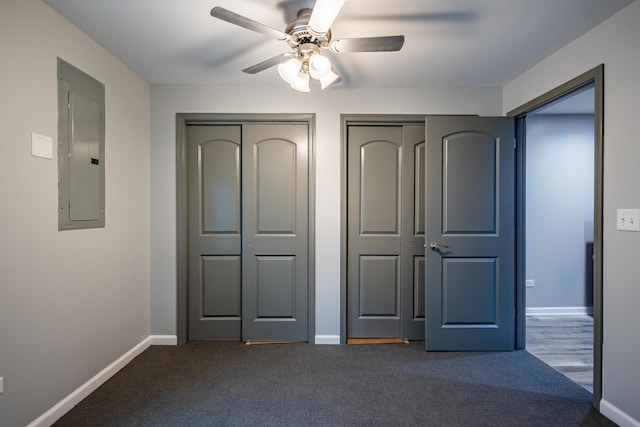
(323, 15)
(249, 24)
(453, 16)
(367, 44)
(261, 66)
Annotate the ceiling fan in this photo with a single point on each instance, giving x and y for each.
(307, 36)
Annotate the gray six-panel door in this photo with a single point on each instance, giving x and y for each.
(385, 265)
(470, 233)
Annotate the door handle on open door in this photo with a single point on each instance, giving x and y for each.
(435, 246)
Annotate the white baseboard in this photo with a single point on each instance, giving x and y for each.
(164, 339)
(327, 339)
(559, 311)
(66, 404)
(617, 416)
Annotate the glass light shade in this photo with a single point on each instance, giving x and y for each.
(329, 78)
(319, 66)
(324, 13)
(289, 70)
(301, 82)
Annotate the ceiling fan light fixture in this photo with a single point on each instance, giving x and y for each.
(289, 70)
(307, 35)
(319, 66)
(328, 79)
(301, 82)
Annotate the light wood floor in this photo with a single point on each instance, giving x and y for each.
(564, 343)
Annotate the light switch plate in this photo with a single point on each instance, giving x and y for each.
(41, 146)
(628, 220)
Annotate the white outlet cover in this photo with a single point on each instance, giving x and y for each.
(41, 146)
(628, 220)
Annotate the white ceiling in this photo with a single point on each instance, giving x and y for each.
(477, 43)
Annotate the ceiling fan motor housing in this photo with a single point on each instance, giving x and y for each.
(303, 38)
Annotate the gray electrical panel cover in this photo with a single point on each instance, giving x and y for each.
(81, 136)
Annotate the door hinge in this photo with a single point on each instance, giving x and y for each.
(514, 143)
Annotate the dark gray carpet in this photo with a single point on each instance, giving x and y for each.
(231, 384)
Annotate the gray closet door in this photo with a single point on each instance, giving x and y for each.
(214, 232)
(385, 244)
(413, 227)
(470, 186)
(275, 232)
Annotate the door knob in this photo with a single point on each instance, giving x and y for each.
(435, 246)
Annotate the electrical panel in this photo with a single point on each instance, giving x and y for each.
(81, 134)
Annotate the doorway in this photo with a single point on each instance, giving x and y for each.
(574, 255)
(559, 230)
(245, 227)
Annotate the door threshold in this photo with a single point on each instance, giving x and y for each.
(272, 342)
(357, 341)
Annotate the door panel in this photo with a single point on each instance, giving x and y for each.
(374, 240)
(275, 287)
(275, 185)
(417, 315)
(379, 201)
(220, 183)
(413, 217)
(470, 279)
(469, 179)
(379, 286)
(463, 277)
(214, 231)
(385, 231)
(221, 286)
(275, 232)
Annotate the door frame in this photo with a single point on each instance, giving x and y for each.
(347, 120)
(182, 260)
(594, 76)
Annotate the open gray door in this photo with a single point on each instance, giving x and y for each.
(470, 233)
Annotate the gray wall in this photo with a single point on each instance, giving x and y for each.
(166, 101)
(559, 209)
(615, 43)
(71, 302)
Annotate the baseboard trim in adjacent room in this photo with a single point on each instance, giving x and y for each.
(66, 404)
(164, 339)
(617, 416)
(559, 311)
(327, 339)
